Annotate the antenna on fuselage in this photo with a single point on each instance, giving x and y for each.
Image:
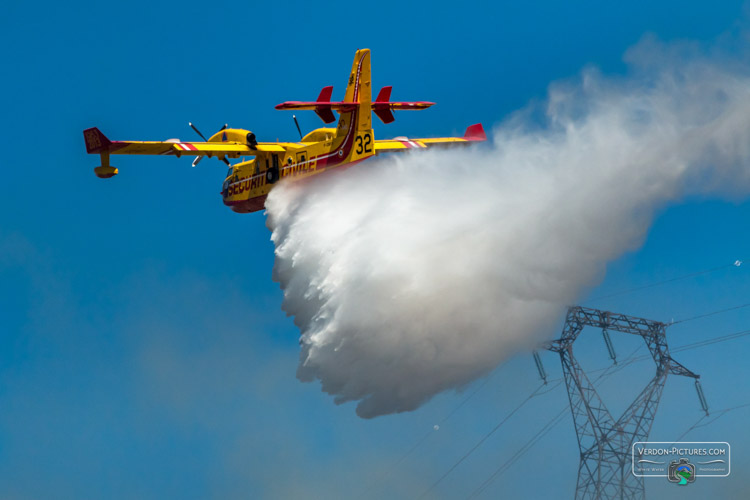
(297, 123)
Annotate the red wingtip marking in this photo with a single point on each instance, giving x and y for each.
(475, 133)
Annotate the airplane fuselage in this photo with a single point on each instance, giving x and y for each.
(248, 183)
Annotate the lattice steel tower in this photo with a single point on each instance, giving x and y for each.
(605, 443)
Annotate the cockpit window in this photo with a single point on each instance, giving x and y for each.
(229, 172)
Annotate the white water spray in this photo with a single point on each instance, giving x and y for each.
(420, 273)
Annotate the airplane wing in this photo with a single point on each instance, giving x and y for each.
(96, 142)
(474, 133)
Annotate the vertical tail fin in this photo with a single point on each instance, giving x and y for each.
(384, 111)
(96, 142)
(325, 94)
(359, 90)
(325, 114)
(384, 95)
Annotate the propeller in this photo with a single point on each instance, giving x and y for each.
(199, 158)
(297, 123)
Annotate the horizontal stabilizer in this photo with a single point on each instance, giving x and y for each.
(324, 109)
(403, 105)
(337, 106)
(382, 106)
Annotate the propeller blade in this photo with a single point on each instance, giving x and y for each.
(297, 123)
(197, 131)
(199, 158)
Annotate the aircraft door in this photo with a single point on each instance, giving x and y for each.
(272, 174)
(302, 166)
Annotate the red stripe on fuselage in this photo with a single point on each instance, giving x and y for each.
(328, 160)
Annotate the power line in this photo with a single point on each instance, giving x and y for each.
(736, 263)
(479, 443)
(715, 340)
(701, 343)
(424, 438)
(713, 313)
(539, 435)
(717, 415)
(686, 347)
(612, 369)
(607, 372)
(522, 451)
(690, 428)
(467, 398)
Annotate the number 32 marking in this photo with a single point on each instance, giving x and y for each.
(364, 144)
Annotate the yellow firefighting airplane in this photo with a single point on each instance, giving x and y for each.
(248, 183)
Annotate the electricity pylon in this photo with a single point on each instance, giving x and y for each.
(605, 443)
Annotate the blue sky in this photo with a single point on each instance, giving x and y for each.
(143, 349)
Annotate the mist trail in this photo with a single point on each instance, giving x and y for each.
(416, 274)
